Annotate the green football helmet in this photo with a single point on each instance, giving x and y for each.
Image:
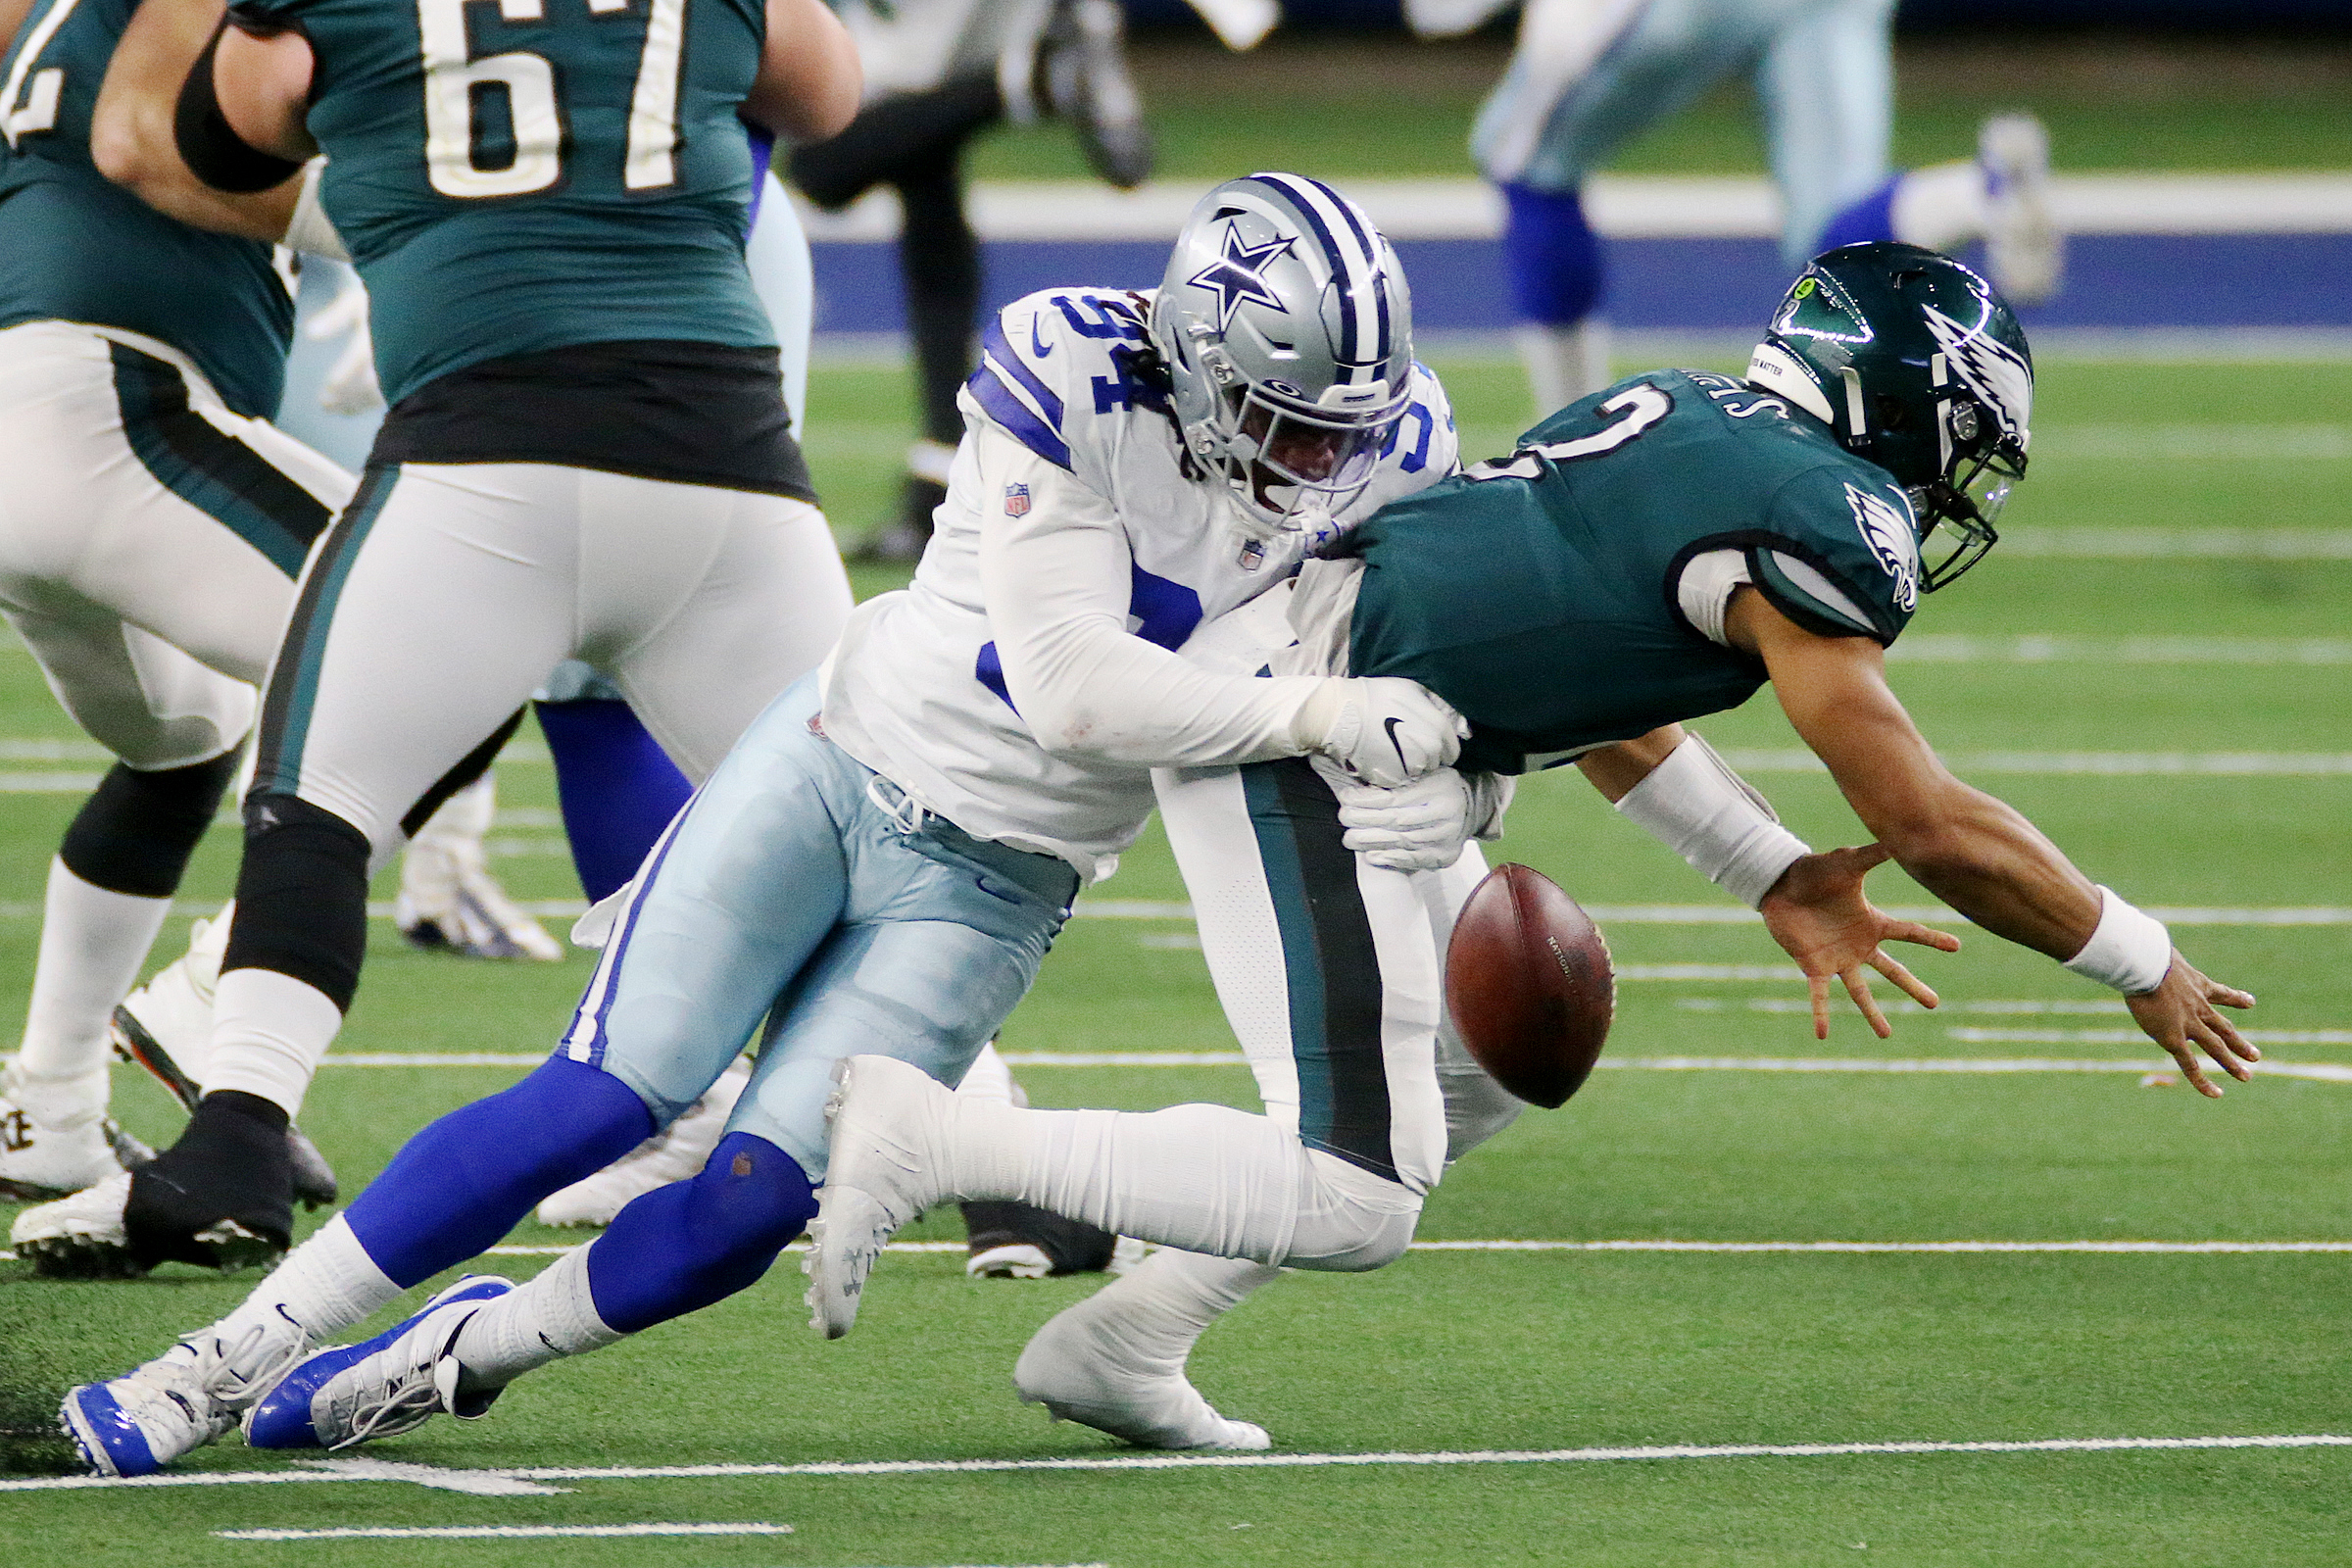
(1916, 363)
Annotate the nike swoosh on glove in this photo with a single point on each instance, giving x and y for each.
(1383, 729)
(1420, 826)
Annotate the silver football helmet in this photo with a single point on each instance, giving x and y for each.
(1287, 330)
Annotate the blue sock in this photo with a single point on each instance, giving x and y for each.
(763, 152)
(1552, 254)
(617, 788)
(682, 1246)
(466, 1180)
(1870, 219)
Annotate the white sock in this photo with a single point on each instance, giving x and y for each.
(1563, 362)
(93, 942)
(1162, 1305)
(990, 1079)
(535, 1323)
(1204, 1178)
(327, 1284)
(1941, 207)
(268, 1032)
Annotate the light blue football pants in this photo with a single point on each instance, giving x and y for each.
(800, 888)
(1577, 92)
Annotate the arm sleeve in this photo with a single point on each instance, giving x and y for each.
(1056, 581)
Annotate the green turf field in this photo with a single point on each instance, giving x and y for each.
(1486, 1351)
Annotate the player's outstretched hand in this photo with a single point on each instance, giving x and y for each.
(2178, 1016)
(1819, 914)
(1419, 826)
(1385, 730)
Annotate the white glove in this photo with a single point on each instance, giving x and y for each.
(350, 385)
(1419, 826)
(1381, 730)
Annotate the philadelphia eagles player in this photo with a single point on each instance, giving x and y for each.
(886, 855)
(587, 454)
(1652, 553)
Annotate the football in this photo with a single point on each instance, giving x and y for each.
(1528, 984)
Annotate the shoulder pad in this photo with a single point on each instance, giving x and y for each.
(1844, 555)
(1061, 353)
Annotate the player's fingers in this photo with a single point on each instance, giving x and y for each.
(1866, 855)
(2228, 996)
(2224, 1044)
(2180, 1050)
(1914, 987)
(1858, 987)
(1925, 936)
(1819, 987)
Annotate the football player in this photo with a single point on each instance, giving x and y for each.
(587, 454)
(884, 859)
(1590, 76)
(1647, 555)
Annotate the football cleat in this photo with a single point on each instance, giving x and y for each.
(80, 1236)
(47, 1155)
(449, 901)
(1083, 60)
(2023, 247)
(885, 1118)
(1082, 1368)
(1013, 1240)
(674, 1155)
(137, 1423)
(391, 1383)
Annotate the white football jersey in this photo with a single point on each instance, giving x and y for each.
(915, 689)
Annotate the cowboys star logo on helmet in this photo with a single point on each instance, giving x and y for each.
(1892, 537)
(2001, 380)
(1236, 275)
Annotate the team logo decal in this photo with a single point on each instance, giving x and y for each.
(1888, 529)
(1238, 274)
(1016, 501)
(2001, 380)
(1819, 307)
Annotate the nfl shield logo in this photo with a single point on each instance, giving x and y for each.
(1016, 501)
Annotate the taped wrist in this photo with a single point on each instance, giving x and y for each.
(2129, 950)
(310, 231)
(1695, 804)
(214, 152)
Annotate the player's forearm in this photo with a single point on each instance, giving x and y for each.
(1091, 692)
(1983, 858)
(1614, 769)
(133, 135)
(809, 78)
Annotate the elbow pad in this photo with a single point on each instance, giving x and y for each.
(215, 153)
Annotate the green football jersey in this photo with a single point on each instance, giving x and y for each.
(75, 247)
(1543, 595)
(518, 176)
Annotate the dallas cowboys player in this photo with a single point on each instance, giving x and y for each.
(883, 860)
(1650, 555)
(587, 454)
(1590, 76)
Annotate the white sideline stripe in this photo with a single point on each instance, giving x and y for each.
(2053, 649)
(1218, 1461)
(2103, 764)
(2228, 443)
(1655, 1246)
(2166, 544)
(1898, 1004)
(1623, 207)
(1733, 914)
(498, 1532)
(2125, 1036)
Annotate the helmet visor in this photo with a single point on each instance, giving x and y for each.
(1961, 511)
(1295, 456)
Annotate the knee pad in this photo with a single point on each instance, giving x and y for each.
(464, 1181)
(302, 897)
(682, 1246)
(135, 832)
(1552, 254)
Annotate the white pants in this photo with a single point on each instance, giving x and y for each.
(1590, 75)
(446, 594)
(149, 538)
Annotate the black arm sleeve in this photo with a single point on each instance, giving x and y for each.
(215, 153)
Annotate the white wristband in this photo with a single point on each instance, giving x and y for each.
(2130, 950)
(310, 231)
(1695, 804)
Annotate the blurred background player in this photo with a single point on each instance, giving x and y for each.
(939, 73)
(653, 511)
(1590, 76)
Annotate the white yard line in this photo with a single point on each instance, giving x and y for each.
(1671, 1245)
(1733, 914)
(2099, 765)
(499, 1532)
(1225, 1462)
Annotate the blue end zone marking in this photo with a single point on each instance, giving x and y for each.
(1017, 417)
(994, 346)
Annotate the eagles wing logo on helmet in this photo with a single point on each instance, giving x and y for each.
(2001, 380)
(1892, 537)
(1236, 276)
